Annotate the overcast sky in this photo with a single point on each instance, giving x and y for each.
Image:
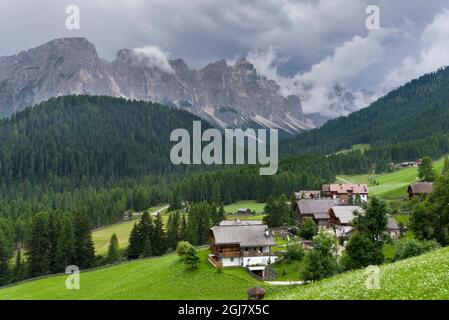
(325, 43)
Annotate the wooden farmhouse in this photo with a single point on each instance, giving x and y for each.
(243, 211)
(346, 192)
(419, 189)
(242, 243)
(340, 219)
(393, 228)
(317, 209)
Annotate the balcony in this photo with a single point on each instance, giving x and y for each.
(230, 254)
(254, 253)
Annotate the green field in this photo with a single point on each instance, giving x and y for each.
(258, 207)
(392, 185)
(102, 236)
(162, 278)
(357, 147)
(420, 278)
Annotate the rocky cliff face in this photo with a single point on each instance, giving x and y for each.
(229, 95)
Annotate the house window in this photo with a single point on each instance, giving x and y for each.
(232, 259)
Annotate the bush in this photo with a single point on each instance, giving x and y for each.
(191, 258)
(308, 229)
(361, 252)
(321, 262)
(182, 248)
(407, 248)
(294, 251)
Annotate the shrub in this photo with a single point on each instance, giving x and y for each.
(294, 251)
(308, 229)
(182, 248)
(407, 248)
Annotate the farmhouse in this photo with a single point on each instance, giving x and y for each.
(242, 243)
(308, 194)
(393, 228)
(317, 209)
(419, 189)
(242, 211)
(340, 218)
(346, 192)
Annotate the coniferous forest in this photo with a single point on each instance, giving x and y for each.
(75, 163)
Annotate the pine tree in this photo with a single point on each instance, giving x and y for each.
(216, 192)
(183, 231)
(221, 215)
(191, 258)
(4, 261)
(66, 244)
(173, 230)
(19, 272)
(38, 245)
(426, 171)
(84, 246)
(113, 250)
(53, 241)
(158, 243)
(147, 251)
(133, 251)
(373, 223)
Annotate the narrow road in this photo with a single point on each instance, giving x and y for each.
(160, 210)
(344, 180)
(285, 283)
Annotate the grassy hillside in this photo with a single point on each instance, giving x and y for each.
(390, 185)
(155, 278)
(101, 237)
(423, 277)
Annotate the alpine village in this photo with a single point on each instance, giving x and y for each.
(86, 182)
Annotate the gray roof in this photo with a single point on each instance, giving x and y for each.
(321, 216)
(246, 235)
(392, 224)
(346, 213)
(240, 222)
(312, 206)
(421, 187)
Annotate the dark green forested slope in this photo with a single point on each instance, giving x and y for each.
(414, 111)
(90, 136)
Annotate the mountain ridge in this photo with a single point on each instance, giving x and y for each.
(227, 95)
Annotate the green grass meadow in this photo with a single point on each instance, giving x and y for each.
(424, 277)
(101, 237)
(165, 278)
(391, 186)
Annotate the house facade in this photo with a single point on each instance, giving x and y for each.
(341, 217)
(346, 193)
(242, 244)
(317, 209)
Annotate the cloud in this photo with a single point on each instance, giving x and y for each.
(153, 57)
(433, 54)
(309, 47)
(322, 87)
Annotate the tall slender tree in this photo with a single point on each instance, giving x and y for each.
(84, 246)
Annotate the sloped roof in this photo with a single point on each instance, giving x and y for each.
(246, 235)
(346, 213)
(308, 193)
(347, 187)
(321, 216)
(240, 222)
(392, 224)
(312, 206)
(421, 187)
